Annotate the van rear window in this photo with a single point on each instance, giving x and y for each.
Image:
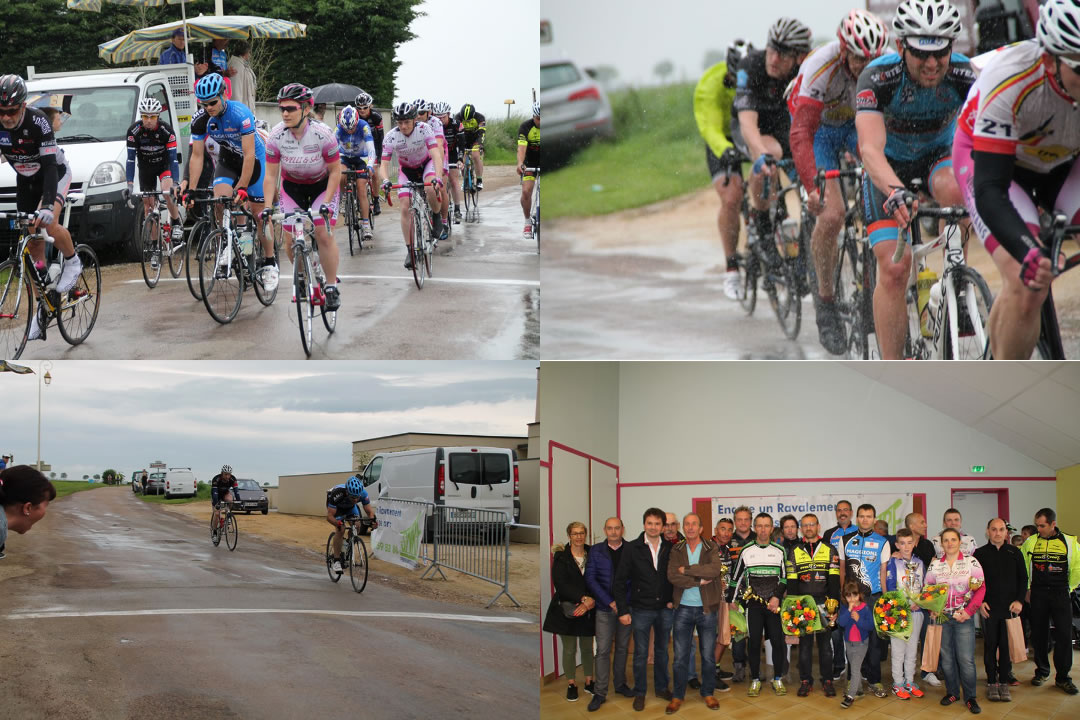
(479, 468)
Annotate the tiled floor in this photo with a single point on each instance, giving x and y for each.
(1028, 703)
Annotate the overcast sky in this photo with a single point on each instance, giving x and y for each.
(478, 51)
(265, 419)
(634, 35)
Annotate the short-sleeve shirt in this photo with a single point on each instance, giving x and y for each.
(338, 497)
(304, 159)
(918, 120)
(221, 484)
(413, 150)
(29, 142)
(151, 146)
(354, 145)
(529, 136)
(825, 82)
(756, 90)
(863, 555)
(229, 129)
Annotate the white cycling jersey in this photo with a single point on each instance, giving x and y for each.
(304, 159)
(1016, 107)
(823, 79)
(413, 150)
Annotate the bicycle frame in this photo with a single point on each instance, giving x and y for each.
(1049, 343)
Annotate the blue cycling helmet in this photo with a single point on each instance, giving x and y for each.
(210, 86)
(349, 119)
(354, 487)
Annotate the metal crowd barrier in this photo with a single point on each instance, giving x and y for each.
(473, 542)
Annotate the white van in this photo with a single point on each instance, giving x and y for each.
(180, 482)
(480, 478)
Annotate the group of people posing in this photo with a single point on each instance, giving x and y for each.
(998, 135)
(669, 584)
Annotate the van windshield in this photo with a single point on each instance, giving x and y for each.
(479, 468)
(103, 113)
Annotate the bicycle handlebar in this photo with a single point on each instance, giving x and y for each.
(1054, 237)
(950, 213)
(823, 175)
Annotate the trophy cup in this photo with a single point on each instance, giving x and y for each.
(831, 606)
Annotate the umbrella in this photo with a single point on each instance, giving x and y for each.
(95, 6)
(334, 94)
(6, 366)
(145, 44)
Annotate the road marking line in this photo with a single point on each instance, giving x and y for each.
(407, 278)
(236, 611)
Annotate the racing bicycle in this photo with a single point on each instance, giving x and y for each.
(1049, 345)
(155, 240)
(350, 211)
(354, 550)
(535, 172)
(468, 188)
(423, 243)
(308, 276)
(227, 527)
(230, 259)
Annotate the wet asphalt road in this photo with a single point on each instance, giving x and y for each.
(481, 302)
(105, 550)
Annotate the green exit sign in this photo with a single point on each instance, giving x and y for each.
(978, 468)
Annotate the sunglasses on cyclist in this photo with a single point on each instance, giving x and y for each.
(209, 103)
(289, 108)
(9, 112)
(149, 117)
(927, 54)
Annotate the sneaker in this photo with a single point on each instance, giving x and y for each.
(722, 686)
(270, 275)
(839, 675)
(408, 259)
(70, 274)
(913, 690)
(740, 673)
(457, 216)
(901, 692)
(333, 302)
(778, 686)
(931, 680)
(693, 684)
(804, 688)
(723, 674)
(830, 328)
(595, 703)
(177, 231)
(732, 285)
(827, 686)
(479, 183)
(755, 688)
(949, 699)
(973, 706)
(527, 232)
(336, 567)
(589, 686)
(847, 702)
(444, 231)
(155, 261)
(376, 209)
(664, 694)
(571, 693)
(1067, 686)
(35, 325)
(1039, 679)
(625, 691)
(1013, 681)
(992, 692)
(365, 230)
(223, 257)
(1003, 692)
(2, 555)
(879, 690)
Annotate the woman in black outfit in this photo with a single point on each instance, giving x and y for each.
(570, 614)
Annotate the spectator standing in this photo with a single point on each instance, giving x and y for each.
(644, 566)
(219, 58)
(739, 539)
(881, 527)
(965, 580)
(570, 614)
(953, 519)
(1027, 531)
(174, 53)
(725, 529)
(25, 495)
(600, 570)
(241, 74)
(695, 572)
(1053, 564)
(835, 536)
(905, 571)
(1006, 583)
(863, 558)
(856, 621)
(814, 570)
(924, 550)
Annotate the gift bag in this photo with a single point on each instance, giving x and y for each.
(1017, 648)
(723, 626)
(931, 648)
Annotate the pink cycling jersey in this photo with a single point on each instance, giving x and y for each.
(304, 159)
(413, 150)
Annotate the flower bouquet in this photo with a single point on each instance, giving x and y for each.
(932, 598)
(892, 615)
(737, 621)
(799, 615)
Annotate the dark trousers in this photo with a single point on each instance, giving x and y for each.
(837, 636)
(659, 621)
(996, 649)
(823, 640)
(1047, 605)
(871, 664)
(738, 652)
(758, 618)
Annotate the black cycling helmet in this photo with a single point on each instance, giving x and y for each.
(12, 90)
(404, 111)
(467, 112)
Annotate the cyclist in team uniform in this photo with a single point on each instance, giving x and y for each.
(864, 557)
(528, 155)
(423, 114)
(822, 102)
(357, 148)
(814, 569)
(906, 106)
(221, 487)
(341, 502)
(713, 99)
(472, 131)
(363, 104)
(419, 158)
(761, 121)
(1015, 152)
(151, 144)
(242, 160)
(306, 152)
(41, 183)
(453, 161)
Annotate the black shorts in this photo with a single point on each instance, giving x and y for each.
(415, 174)
(28, 189)
(149, 174)
(225, 170)
(716, 168)
(304, 194)
(880, 225)
(774, 130)
(456, 155)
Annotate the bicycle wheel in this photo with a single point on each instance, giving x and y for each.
(221, 277)
(358, 565)
(417, 250)
(231, 531)
(329, 318)
(350, 223)
(428, 248)
(215, 532)
(176, 257)
(150, 245)
(847, 290)
(191, 250)
(266, 297)
(749, 270)
(78, 309)
(868, 272)
(973, 298)
(330, 558)
(302, 285)
(370, 206)
(16, 310)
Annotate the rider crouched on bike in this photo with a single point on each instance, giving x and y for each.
(822, 102)
(151, 144)
(357, 147)
(528, 156)
(419, 158)
(424, 114)
(341, 502)
(1015, 152)
(306, 153)
(221, 487)
(454, 156)
(363, 104)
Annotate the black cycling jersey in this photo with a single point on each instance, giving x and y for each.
(223, 485)
(339, 498)
(152, 146)
(375, 122)
(756, 90)
(472, 131)
(31, 149)
(529, 134)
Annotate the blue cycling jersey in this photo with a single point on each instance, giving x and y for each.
(919, 120)
(357, 145)
(228, 129)
(338, 497)
(863, 555)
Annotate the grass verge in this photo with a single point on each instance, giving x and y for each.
(202, 493)
(66, 487)
(500, 141)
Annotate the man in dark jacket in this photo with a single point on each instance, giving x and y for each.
(644, 565)
(604, 560)
(814, 569)
(1006, 583)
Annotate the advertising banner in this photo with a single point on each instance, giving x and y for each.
(401, 526)
(891, 507)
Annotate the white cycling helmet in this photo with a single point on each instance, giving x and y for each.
(441, 108)
(536, 108)
(149, 106)
(1058, 30)
(790, 34)
(863, 34)
(935, 23)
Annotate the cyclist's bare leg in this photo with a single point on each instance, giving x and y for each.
(823, 239)
(526, 198)
(433, 200)
(328, 252)
(455, 185)
(890, 304)
(256, 208)
(728, 216)
(1014, 316)
(361, 196)
(406, 221)
(221, 190)
(478, 163)
(166, 186)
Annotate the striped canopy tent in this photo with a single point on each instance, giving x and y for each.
(146, 44)
(95, 6)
